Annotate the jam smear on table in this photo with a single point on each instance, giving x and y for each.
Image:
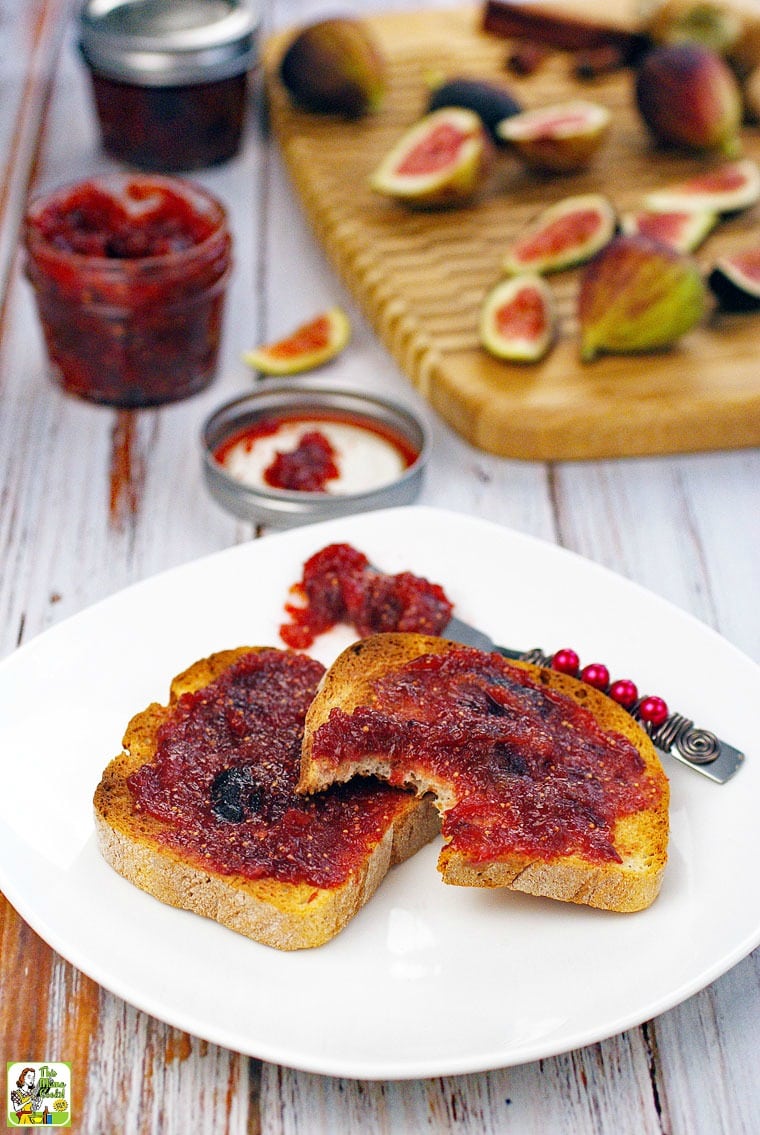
(532, 771)
(224, 774)
(339, 585)
(307, 468)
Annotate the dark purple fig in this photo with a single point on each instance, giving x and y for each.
(490, 101)
(688, 96)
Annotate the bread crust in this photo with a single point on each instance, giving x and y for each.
(640, 838)
(287, 916)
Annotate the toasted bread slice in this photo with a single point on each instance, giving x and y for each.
(545, 784)
(247, 858)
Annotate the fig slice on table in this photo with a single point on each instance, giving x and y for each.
(726, 188)
(735, 280)
(442, 160)
(518, 320)
(565, 234)
(558, 139)
(309, 346)
(681, 229)
(638, 295)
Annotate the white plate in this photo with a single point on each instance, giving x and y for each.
(428, 979)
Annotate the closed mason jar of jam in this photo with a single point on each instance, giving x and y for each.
(169, 78)
(129, 274)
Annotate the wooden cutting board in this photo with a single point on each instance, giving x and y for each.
(421, 276)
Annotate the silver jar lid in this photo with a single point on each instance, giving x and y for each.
(165, 43)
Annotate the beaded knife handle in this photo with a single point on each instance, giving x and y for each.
(670, 732)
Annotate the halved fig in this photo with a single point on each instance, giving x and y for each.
(518, 320)
(726, 188)
(678, 228)
(440, 161)
(567, 233)
(559, 138)
(309, 346)
(735, 280)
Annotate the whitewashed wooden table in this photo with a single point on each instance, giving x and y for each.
(93, 500)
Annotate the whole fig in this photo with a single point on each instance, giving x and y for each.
(688, 96)
(334, 66)
(638, 295)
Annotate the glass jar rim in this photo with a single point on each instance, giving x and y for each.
(34, 242)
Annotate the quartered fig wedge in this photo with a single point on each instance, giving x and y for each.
(309, 346)
(567, 233)
(558, 138)
(726, 188)
(518, 320)
(440, 161)
(735, 280)
(680, 229)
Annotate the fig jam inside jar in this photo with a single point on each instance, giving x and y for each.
(170, 80)
(129, 274)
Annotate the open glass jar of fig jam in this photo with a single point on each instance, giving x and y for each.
(129, 275)
(169, 78)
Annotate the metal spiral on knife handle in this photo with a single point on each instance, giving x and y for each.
(693, 746)
(677, 735)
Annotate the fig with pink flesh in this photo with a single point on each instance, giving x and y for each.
(682, 229)
(565, 234)
(442, 160)
(557, 139)
(518, 320)
(735, 280)
(724, 189)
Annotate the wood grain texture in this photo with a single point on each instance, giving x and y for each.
(422, 276)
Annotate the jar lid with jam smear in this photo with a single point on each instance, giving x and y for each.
(288, 455)
(162, 43)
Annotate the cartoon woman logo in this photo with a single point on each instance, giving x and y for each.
(25, 1100)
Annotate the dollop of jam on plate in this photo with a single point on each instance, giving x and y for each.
(339, 585)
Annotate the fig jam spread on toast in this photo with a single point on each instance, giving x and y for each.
(339, 585)
(222, 780)
(524, 769)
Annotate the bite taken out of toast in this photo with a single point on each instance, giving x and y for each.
(544, 784)
(200, 808)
